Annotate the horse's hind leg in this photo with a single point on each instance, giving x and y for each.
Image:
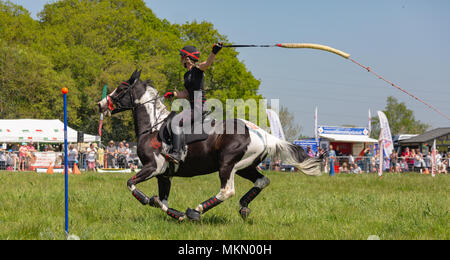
(226, 175)
(260, 182)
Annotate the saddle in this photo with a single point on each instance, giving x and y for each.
(165, 133)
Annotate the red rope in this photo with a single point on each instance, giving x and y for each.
(399, 88)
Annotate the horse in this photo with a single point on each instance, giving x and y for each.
(229, 154)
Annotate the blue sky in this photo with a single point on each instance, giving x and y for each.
(406, 41)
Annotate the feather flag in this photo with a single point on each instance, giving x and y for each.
(385, 140)
(315, 127)
(105, 92)
(385, 134)
(275, 124)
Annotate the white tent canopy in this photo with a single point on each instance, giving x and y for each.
(38, 130)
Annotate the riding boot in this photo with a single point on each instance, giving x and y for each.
(178, 143)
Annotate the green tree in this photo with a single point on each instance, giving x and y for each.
(86, 44)
(292, 131)
(30, 88)
(401, 120)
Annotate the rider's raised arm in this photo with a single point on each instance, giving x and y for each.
(206, 64)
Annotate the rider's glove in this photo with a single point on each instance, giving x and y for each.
(169, 95)
(217, 47)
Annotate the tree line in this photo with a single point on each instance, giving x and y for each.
(85, 44)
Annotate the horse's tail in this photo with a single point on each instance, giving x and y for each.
(296, 156)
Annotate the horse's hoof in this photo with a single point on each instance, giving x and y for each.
(192, 214)
(245, 212)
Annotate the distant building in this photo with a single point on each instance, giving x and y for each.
(423, 141)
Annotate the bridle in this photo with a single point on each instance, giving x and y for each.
(111, 101)
(115, 100)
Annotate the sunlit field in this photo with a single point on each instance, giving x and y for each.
(294, 206)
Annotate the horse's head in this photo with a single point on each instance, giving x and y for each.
(128, 95)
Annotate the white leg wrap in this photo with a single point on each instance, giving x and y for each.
(262, 182)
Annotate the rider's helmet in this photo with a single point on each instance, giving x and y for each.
(191, 52)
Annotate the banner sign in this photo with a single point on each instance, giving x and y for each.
(44, 159)
(335, 130)
(307, 142)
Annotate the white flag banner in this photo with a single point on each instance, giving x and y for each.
(385, 134)
(315, 127)
(275, 124)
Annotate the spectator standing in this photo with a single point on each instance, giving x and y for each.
(122, 156)
(428, 161)
(31, 147)
(444, 164)
(417, 161)
(408, 157)
(438, 162)
(2, 159)
(310, 152)
(393, 162)
(23, 151)
(367, 159)
(91, 157)
(332, 158)
(129, 156)
(72, 156)
(404, 165)
(351, 160)
(111, 154)
(376, 161)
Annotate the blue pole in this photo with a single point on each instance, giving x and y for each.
(66, 168)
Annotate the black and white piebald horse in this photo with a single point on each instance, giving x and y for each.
(228, 154)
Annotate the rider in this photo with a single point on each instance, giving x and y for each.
(193, 81)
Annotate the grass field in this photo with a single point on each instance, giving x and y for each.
(294, 206)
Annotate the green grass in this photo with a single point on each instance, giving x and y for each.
(294, 206)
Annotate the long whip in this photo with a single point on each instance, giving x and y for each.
(344, 55)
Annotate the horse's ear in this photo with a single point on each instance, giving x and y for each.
(138, 74)
(133, 77)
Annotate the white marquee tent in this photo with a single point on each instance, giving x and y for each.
(38, 130)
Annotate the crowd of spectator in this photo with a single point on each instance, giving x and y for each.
(17, 156)
(112, 157)
(20, 157)
(410, 160)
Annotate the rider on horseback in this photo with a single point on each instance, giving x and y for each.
(193, 82)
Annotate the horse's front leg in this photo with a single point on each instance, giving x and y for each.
(149, 171)
(146, 173)
(154, 168)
